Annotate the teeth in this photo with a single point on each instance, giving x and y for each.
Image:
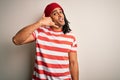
(60, 19)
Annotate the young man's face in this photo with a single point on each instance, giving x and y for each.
(58, 17)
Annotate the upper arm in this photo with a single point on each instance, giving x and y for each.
(73, 57)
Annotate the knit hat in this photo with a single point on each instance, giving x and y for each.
(50, 7)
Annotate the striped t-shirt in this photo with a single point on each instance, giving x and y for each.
(52, 49)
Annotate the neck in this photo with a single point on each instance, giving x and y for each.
(56, 29)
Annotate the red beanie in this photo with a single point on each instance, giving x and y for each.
(50, 7)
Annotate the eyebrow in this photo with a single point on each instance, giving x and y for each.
(56, 10)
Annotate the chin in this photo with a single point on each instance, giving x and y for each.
(62, 24)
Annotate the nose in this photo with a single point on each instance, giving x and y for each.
(59, 14)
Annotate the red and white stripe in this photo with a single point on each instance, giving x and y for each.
(52, 49)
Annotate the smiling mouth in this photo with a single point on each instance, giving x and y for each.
(61, 19)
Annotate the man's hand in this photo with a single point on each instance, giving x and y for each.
(47, 21)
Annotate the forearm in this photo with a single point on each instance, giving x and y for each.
(74, 71)
(24, 33)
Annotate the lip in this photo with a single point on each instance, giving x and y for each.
(61, 19)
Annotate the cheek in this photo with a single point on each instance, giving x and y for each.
(54, 19)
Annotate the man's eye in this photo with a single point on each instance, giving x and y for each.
(54, 13)
(60, 11)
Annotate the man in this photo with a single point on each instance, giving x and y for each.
(56, 55)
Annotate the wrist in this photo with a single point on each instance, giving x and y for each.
(38, 24)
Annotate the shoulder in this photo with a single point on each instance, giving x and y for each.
(71, 34)
(43, 29)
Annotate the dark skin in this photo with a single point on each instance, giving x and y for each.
(56, 21)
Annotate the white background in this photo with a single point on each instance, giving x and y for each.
(96, 24)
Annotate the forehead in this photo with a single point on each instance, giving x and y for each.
(56, 9)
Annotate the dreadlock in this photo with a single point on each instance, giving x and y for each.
(66, 28)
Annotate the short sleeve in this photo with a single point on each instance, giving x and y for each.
(74, 46)
(35, 34)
